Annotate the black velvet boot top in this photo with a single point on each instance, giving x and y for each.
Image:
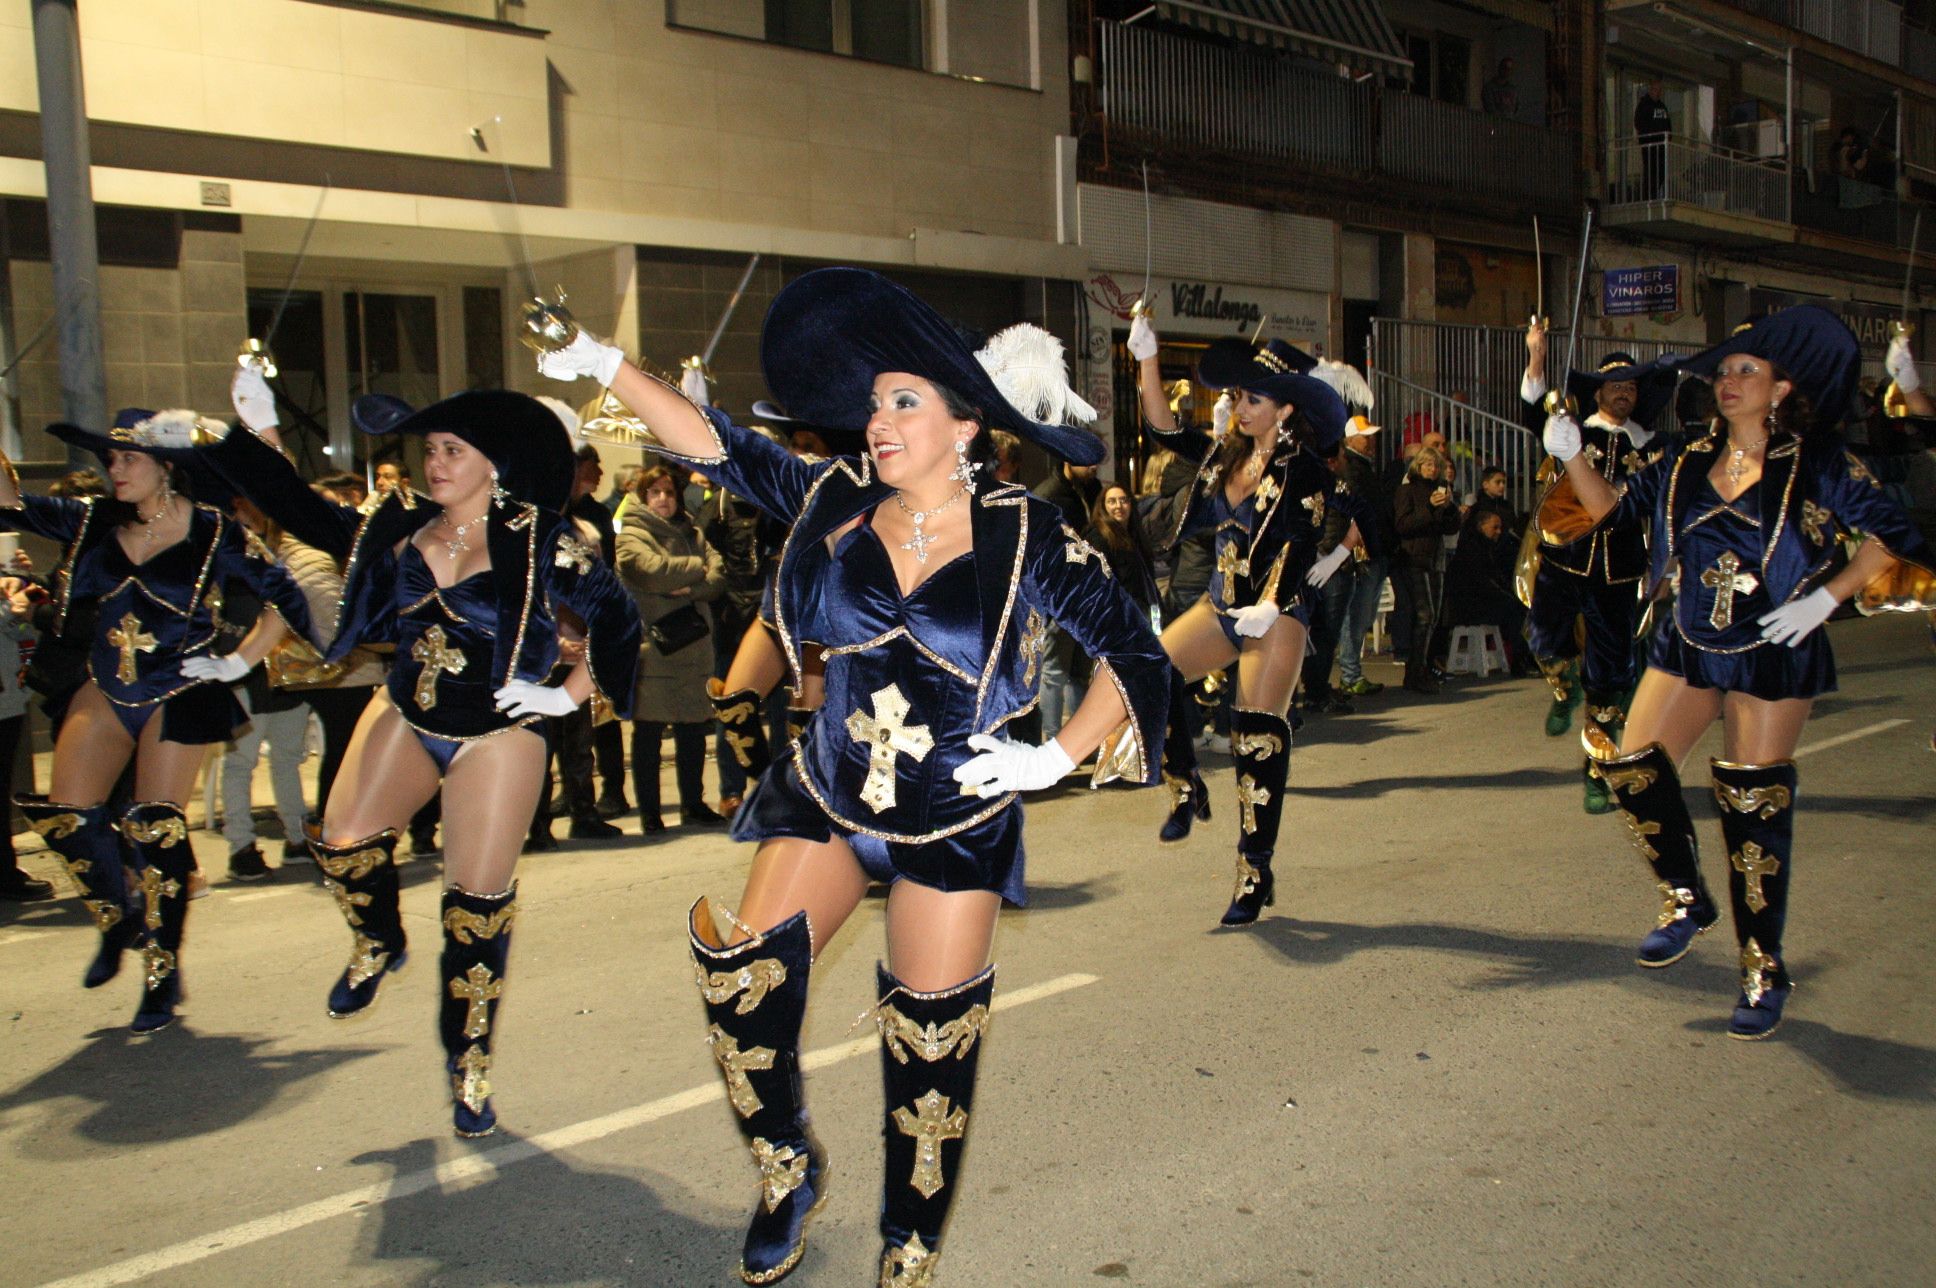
(1188, 800)
(90, 845)
(477, 946)
(1647, 790)
(362, 876)
(755, 996)
(1261, 743)
(157, 833)
(1757, 805)
(930, 1049)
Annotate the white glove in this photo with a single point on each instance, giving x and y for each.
(584, 356)
(226, 669)
(1562, 438)
(1005, 766)
(1901, 365)
(521, 698)
(1791, 623)
(1220, 417)
(253, 401)
(1327, 565)
(1142, 339)
(1254, 622)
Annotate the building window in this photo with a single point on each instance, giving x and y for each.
(880, 31)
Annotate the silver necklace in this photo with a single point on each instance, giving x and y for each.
(148, 524)
(920, 541)
(1737, 468)
(455, 544)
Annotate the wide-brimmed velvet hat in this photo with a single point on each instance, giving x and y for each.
(841, 442)
(1278, 371)
(1813, 347)
(521, 436)
(1653, 384)
(171, 435)
(830, 332)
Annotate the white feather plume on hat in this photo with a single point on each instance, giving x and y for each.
(1026, 364)
(567, 417)
(1345, 382)
(175, 427)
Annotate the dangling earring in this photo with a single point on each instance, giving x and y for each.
(1772, 408)
(964, 469)
(499, 497)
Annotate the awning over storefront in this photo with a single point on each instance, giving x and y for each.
(1344, 31)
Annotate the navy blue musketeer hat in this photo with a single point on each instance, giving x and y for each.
(1653, 384)
(1280, 372)
(831, 331)
(172, 436)
(1814, 349)
(521, 436)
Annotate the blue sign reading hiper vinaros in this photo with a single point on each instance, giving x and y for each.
(1625, 292)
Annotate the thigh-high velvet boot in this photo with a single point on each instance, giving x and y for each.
(756, 997)
(157, 833)
(742, 723)
(363, 878)
(89, 844)
(1188, 800)
(1757, 804)
(930, 1047)
(477, 944)
(1261, 743)
(1646, 789)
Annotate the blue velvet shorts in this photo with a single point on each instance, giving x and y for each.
(199, 714)
(987, 856)
(1768, 671)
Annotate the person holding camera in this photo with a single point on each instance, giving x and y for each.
(1424, 513)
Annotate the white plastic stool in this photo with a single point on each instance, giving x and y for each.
(1476, 650)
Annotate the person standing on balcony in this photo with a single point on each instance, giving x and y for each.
(1652, 125)
(1499, 96)
(1753, 513)
(1597, 578)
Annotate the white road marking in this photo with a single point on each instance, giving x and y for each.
(253, 895)
(1840, 738)
(467, 1166)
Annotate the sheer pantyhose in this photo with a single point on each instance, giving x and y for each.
(1267, 668)
(387, 776)
(759, 664)
(935, 938)
(94, 748)
(1755, 731)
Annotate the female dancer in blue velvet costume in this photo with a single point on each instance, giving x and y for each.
(469, 586)
(930, 601)
(1263, 491)
(157, 564)
(1750, 514)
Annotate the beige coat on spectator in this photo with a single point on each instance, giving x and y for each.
(667, 565)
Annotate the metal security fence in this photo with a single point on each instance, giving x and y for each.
(1438, 143)
(1477, 439)
(1713, 178)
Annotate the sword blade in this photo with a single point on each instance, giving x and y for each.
(1909, 270)
(1149, 240)
(1539, 273)
(302, 253)
(706, 357)
(1579, 298)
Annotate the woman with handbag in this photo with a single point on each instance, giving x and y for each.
(930, 597)
(670, 570)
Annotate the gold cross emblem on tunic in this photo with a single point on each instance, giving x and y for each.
(1249, 797)
(475, 989)
(154, 888)
(1267, 490)
(130, 639)
(887, 735)
(1726, 580)
(1593, 454)
(1231, 564)
(1315, 504)
(1814, 519)
(573, 553)
(930, 1125)
(439, 660)
(733, 1064)
(1754, 863)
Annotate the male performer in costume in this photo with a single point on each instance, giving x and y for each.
(1598, 577)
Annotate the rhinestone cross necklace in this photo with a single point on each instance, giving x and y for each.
(920, 541)
(1737, 467)
(455, 544)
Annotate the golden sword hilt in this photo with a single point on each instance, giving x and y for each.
(255, 355)
(548, 324)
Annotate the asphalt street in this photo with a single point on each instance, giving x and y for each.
(1434, 1062)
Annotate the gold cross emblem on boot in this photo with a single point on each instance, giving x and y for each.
(1754, 863)
(887, 735)
(931, 1124)
(475, 990)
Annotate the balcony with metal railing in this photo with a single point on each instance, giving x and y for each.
(1698, 189)
(1159, 92)
(1873, 28)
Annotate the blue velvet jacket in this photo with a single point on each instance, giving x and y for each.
(1030, 569)
(1291, 501)
(156, 614)
(1812, 492)
(537, 565)
(1616, 556)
